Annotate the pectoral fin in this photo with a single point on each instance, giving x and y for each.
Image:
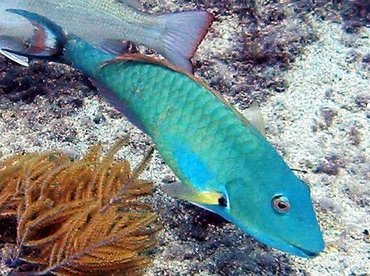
(188, 193)
(132, 3)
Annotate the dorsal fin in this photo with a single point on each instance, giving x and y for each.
(145, 59)
(156, 61)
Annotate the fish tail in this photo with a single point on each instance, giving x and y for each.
(183, 33)
(47, 41)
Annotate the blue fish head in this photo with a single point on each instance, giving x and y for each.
(276, 210)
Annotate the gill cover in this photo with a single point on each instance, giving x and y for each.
(48, 39)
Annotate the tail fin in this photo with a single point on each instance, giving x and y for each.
(184, 32)
(48, 39)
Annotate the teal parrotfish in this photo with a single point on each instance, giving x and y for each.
(224, 163)
(106, 23)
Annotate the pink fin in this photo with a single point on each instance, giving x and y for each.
(147, 59)
(185, 31)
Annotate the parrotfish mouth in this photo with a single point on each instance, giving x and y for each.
(297, 250)
(315, 246)
(303, 252)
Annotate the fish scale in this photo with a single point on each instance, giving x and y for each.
(192, 115)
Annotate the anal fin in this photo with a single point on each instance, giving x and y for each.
(131, 3)
(21, 60)
(114, 46)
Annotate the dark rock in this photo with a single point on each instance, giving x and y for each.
(330, 165)
(355, 136)
(328, 115)
(362, 101)
(99, 118)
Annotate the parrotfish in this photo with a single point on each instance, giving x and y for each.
(224, 163)
(105, 23)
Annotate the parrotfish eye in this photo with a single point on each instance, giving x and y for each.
(280, 204)
(222, 201)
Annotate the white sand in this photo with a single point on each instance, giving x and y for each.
(290, 119)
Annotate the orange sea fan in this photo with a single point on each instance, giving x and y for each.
(78, 217)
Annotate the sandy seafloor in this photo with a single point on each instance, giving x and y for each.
(320, 124)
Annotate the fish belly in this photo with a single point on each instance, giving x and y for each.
(200, 137)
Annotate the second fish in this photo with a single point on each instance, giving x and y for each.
(106, 23)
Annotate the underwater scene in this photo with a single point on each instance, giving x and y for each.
(173, 137)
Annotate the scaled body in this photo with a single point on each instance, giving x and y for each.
(211, 148)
